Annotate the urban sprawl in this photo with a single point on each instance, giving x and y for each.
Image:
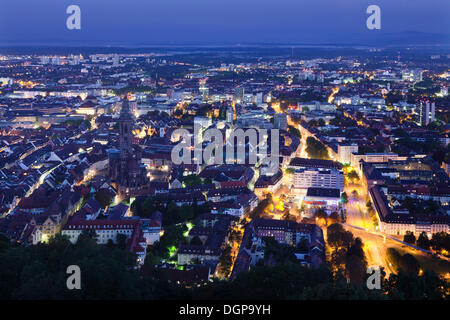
(86, 154)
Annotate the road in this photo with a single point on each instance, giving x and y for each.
(360, 223)
(374, 246)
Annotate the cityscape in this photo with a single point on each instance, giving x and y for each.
(232, 172)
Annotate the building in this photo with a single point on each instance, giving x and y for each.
(426, 113)
(412, 75)
(109, 230)
(268, 184)
(196, 254)
(126, 170)
(327, 198)
(203, 90)
(345, 151)
(290, 233)
(370, 157)
(396, 222)
(298, 163)
(318, 178)
(239, 95)
(280, 121)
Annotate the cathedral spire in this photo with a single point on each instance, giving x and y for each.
(125, 113)
(126, 121)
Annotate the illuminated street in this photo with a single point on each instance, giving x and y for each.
(239, 151)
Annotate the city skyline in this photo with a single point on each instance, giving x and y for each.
(249, 150)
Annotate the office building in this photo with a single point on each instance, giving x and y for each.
(318, 178)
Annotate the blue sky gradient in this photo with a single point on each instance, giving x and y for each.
(138, 22)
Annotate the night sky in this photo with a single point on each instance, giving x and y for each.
(140, 22)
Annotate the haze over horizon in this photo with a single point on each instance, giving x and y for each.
(139, 23)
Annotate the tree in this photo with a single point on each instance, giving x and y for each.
(192, 180)
(413, 287)
(355, 269)
(121, 241)
(178, 112)
(293, 130)
(406, 263)
(394, 257)
(353, 176)
(409, 237)
(104, 197)
(320, 213)
(4, 243)
(259, 211)
(151, 260)
(355, 262)
(280, 253)
(344, 197)
(423, 241)
(393, 97)
(316, 149)
(225, 261)
(334, 216)
(338, 237)
(196, 241)
(409, 264)
(369, 204)
(290, 171)
(87, 236)
(338, 257)
(39, 272)
(313, 123)
(441, 242)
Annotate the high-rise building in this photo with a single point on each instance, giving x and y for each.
(229, 115)
(44, 60)
(56, 60)
(116, 60)
(426, 112)
(203, 90)
(259, 98)
(239, 95)
(412, 75)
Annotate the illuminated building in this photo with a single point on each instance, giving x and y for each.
(426, 112)
(126, 170)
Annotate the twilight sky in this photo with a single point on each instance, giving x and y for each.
(141, 22)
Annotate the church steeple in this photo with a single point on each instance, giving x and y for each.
(125, 113)
(127, 171)
(125, 126)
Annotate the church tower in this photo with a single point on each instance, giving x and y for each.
(126, 169)
(125, 127)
